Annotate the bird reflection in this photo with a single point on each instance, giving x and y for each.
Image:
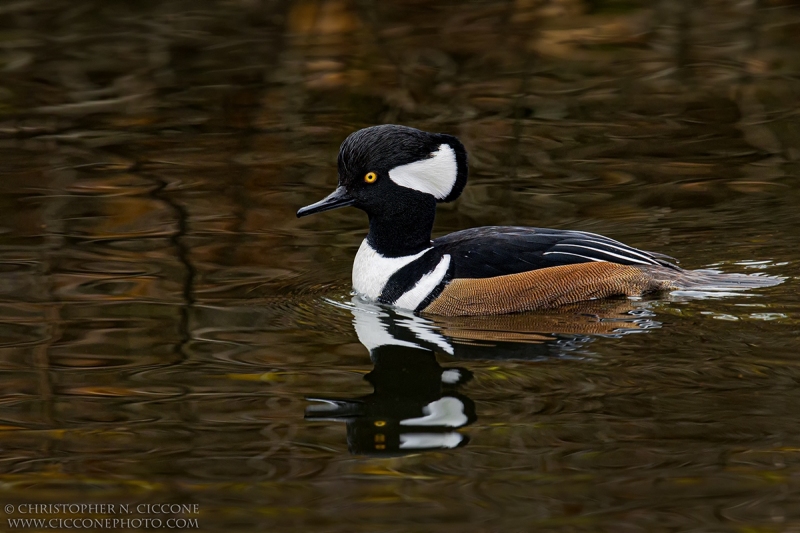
(416, 405)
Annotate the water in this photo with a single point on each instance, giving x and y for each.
(171, 333)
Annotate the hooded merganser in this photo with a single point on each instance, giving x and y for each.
(398, 174)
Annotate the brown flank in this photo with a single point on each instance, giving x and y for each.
(547, 288)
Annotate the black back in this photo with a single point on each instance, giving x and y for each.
(499, 250)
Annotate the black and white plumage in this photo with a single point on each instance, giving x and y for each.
(501, 250)
(397, 175)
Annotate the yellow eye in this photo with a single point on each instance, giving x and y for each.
(371, 177)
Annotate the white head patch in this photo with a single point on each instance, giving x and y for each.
(435, 176)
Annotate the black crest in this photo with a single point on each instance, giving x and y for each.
(382, 148)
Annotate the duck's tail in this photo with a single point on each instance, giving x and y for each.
(711, 280)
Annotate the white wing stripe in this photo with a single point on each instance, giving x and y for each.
(578, 255)
(606, 252)
(623, 249)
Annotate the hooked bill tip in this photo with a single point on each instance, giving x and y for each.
(338, 198)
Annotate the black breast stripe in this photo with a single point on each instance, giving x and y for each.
(407, 277)
(448, 277)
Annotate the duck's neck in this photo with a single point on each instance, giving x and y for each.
(402, 232)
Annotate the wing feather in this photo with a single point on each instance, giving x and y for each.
(496, 251)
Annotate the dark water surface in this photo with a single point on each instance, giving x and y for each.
(170, 332)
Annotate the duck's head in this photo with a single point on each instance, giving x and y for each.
(389, 169)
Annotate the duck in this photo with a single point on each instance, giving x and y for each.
(398, 175)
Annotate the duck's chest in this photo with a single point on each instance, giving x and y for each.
(371, 270)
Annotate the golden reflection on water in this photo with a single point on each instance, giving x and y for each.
(164, 315)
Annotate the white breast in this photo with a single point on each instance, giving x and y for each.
(371, 270)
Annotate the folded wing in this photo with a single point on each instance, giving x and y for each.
(497, 251)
